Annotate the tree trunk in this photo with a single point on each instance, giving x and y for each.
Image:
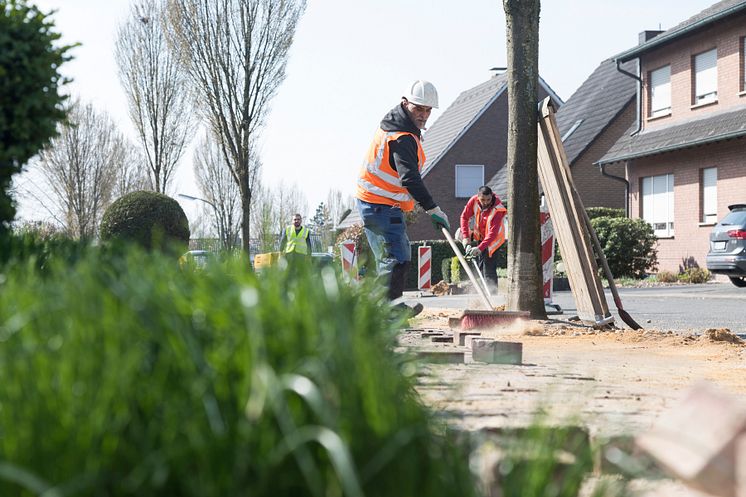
(525, 279)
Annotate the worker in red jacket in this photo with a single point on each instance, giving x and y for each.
(486, 233)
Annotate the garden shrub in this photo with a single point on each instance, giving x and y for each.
(667, 277)
(149, 219)
(38, 243)
(455, 270)
(594, 212)
(445, 270)
(125, 376)
(695, 275)
(628, 244)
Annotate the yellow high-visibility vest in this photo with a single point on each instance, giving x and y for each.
(296, 242)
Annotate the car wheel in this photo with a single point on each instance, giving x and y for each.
(739, 281)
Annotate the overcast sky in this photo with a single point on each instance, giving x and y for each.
(351, 61)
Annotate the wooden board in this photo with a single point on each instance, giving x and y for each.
(569, 224)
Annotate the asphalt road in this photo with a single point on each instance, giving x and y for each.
(684, 308)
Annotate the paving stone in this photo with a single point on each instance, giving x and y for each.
(441, 357)
(459, 337)
(494, 352)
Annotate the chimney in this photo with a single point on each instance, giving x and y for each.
(498, 70)
(646, 36)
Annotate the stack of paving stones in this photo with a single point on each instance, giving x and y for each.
(457, 347)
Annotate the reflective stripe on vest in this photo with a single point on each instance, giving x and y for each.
(293, 240)
(501, 234)
(378, 182)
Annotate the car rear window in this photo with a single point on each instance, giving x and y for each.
(737, 218)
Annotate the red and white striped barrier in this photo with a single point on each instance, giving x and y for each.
(547, 252)
(424, 257)
(349, 261)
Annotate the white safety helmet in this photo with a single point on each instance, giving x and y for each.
(422, 92)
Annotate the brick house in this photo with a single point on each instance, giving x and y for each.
(684, 156)
(465, 147)
(590, 122)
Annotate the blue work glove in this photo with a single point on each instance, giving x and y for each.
(439, 218)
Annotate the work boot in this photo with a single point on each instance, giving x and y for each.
(398, 280)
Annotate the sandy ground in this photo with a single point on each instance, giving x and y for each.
(615, 383)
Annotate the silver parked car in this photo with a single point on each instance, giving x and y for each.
(727, 253)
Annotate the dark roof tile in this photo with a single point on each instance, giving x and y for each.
(709, 129)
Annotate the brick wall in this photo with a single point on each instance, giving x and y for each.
(691, 236)
(595, 189)
(726, 37)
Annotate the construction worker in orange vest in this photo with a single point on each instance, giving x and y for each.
(488, 232)
(390, 183)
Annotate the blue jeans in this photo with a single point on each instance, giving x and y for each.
(387, 236)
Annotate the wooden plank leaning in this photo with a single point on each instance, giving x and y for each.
(569, 223)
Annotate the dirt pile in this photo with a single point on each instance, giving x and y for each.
(721, 335)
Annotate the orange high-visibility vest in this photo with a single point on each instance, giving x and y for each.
(379, 183)
(501, 234)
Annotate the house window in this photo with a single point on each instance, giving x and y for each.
(709, 194)
(660, 92)
(468, 180)
(657, 203)
(706, 77)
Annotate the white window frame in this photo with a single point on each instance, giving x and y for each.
(466, 187)
(705, 72)
(709, 194)
(660, 91)
(657, 194)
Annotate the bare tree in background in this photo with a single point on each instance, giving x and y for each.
(236, 52)
(273, 211)
(157, 89)
(132, 175)
(338, 204)
(524, 242)
(80, 167)
(218, 187)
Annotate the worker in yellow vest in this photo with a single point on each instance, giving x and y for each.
(486, 233)
(296, 242)
(389, 184)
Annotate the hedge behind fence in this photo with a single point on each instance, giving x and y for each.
(442, 250)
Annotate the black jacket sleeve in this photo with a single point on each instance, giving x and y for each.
(403, 158)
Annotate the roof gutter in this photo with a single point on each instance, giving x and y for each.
(637, 78)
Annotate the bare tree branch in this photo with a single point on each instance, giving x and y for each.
(80, 167)
(219, 188)
(157, 89)
(236, 52)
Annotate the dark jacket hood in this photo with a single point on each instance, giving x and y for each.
(398, 120)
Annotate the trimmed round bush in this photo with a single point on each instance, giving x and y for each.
(149, 219)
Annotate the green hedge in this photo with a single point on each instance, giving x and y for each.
(594, 212)
(442, 250)
(628, 244)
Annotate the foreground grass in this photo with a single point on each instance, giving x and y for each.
(125, 375)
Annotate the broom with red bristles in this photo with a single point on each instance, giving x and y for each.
(475, 319)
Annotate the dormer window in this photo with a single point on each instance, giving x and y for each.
(705, 77)
(660, 92)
